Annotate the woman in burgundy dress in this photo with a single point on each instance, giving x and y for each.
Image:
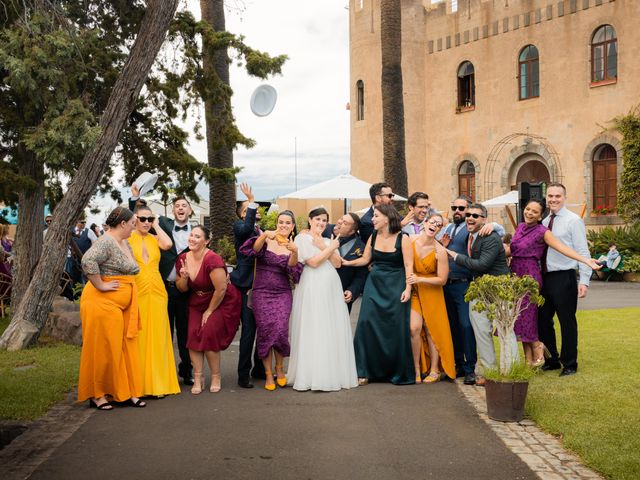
(214, 307)
(528, 245)
(277, 269)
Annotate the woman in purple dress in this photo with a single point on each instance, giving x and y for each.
(527, 249)
(214, 307)
(277, 268)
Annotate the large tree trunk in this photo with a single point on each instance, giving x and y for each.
(395, 165)
(222, 194)
(28, 244)
(31, 313)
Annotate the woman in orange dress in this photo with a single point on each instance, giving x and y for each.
(430, 333)
(109, 362)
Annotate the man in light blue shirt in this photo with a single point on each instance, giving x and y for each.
(560, 287)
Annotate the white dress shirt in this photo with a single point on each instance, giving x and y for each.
(570, 230)
(181, 241)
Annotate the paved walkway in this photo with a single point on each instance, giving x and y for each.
(379, 431)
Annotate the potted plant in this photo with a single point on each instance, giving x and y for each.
(631, 268)
(501, 299)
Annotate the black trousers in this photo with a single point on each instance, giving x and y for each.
(178, 308)
(247, 341)
(560, 292)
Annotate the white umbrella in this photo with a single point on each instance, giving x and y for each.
(509, 198)
(344, 186)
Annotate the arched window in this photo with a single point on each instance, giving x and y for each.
(467, 180)
(604, 54)
(529, 72)
(605, 177)
(466, 86)
(360, 100)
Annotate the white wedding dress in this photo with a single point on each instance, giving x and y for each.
(322, 356)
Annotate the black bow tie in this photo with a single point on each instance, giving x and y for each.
(183, 228)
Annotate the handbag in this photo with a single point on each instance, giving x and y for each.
(250, 291)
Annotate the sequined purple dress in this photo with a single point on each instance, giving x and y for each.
(272, 298)
(527, 247)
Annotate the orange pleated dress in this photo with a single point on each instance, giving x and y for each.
(428, 300)
(109, 362)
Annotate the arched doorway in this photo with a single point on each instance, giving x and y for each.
(529, 169)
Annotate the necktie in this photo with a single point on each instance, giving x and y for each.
(416, 227)
(455, 229)
(543, 260)
(469, 244)
(183, 228)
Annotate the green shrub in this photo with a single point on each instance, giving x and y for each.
(626, 238)
(225, 248)
(268, 221)
(631, 264)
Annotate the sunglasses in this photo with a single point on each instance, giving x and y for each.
(390, 195)
(147, 219)
(47, 221)
(474, 215)
(435, 223)
(457, 208)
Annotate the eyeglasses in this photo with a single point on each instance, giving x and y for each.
(474, 215)
(147, 219)
(436, 223)
(457, 208)
(390, 195)
(421, 207)
(82, 221)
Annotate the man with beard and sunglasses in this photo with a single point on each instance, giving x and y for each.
(483, 256)
(178, 230)
(455, 237)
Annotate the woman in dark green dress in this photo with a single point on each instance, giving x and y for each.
(382, 340)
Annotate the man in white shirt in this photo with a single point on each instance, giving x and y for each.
(560, 287)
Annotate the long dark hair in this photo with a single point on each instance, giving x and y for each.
(395, 220)
(290, 214)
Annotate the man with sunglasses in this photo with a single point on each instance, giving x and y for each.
(455, 238)
(483, 256)
(380, 194)
(178, 230)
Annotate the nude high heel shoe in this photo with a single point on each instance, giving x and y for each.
(215, 383)
(198, 382)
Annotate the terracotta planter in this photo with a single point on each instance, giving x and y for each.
(631, 276)
(505, 400)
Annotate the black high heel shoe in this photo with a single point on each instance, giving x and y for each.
(103, 406)
(138, 403)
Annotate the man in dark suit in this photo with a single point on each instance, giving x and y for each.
(380, 194)
(351, 248)
(242, 278)
(485, 256)
(178, 230)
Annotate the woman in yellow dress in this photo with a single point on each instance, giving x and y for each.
(430, 333)
(157, 363)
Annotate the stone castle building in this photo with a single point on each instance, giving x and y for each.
(499, 92)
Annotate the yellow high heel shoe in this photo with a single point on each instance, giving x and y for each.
(268, 387)
(281, 381)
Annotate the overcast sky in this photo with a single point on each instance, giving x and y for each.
(313, 91)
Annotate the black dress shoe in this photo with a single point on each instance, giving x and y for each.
(470, 379)
(551, 366)
(245, 383)
(568, 371)
(187, 379)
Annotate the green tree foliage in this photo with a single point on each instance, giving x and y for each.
(500, 298)
(626, 238)
(629, 190)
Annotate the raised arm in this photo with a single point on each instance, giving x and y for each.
(257, 246)
(164, 241)
(326, 252)
(551, 240)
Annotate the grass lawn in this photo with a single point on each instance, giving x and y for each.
(596, 411)
(33, 380)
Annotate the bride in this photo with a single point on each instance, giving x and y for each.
(322, 356)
